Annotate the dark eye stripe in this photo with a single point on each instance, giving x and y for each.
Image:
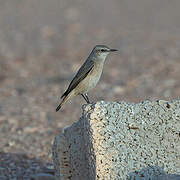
(103, 50)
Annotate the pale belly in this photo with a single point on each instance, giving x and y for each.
(90, 81)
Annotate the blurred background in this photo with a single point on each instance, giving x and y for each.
(42, 45)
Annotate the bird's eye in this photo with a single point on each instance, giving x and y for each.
(103, 50)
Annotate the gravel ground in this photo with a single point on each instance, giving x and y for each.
(43, 43)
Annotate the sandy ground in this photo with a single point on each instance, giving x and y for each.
(42, 45)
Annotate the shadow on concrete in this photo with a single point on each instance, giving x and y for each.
(152, 173)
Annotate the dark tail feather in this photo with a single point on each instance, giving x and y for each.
(60, 105)
(65, 98)
(58, 108)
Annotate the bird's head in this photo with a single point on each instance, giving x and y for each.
(101, 51)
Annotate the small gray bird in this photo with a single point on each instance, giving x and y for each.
(88, 75)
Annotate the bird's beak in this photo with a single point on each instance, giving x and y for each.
(112, 50)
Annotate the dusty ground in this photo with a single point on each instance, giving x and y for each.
(42, 44)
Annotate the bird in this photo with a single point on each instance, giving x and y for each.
(87, 76)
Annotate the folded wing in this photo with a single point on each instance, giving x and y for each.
(81, 74)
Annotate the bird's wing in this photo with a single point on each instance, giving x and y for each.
(81, 74)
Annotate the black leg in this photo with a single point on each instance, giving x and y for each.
(85, 98)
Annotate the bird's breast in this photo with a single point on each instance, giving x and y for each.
(94, 75)
(91, 80)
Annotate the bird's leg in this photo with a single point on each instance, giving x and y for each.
(85, 98)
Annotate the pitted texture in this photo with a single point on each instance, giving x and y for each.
(61, 158)
(120, 140)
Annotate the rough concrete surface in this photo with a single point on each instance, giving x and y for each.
(122, 141)
(42, 45)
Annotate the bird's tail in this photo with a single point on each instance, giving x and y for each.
(65, 99)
